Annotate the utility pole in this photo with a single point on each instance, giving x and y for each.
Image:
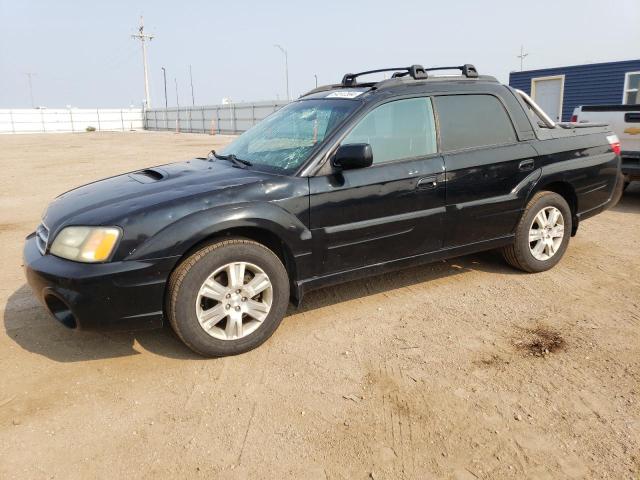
(177, 99)
(144, 38)
(522, 56)
(316, 76)
(193, 99)
(286, 67)
(29, 75)
(164, 76)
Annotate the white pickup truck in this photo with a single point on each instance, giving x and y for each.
(625, 122)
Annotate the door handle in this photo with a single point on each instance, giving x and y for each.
(526, 165)
(427, 182)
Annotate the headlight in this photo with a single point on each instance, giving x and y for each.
(86, 244)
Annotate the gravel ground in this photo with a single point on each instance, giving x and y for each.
(462, 369)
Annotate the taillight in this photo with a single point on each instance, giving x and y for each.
(574, 118)
(615, 143)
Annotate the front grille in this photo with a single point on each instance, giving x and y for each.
(42, 237)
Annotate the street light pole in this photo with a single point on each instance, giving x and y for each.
(29, 75)
(144, 38)
(286, 67)
(164, 76)
(193, 98)
(178, 107)
(316, 76)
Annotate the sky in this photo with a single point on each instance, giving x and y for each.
(82, 55)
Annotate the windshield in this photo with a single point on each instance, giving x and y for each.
(282, 142)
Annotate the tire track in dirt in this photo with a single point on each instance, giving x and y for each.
(396, 422)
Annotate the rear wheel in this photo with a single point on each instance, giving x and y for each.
(542, 235)
(228, 297)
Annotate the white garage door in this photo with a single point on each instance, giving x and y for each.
(547, 92)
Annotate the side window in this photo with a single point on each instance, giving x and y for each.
(472, 121)
(397, 130)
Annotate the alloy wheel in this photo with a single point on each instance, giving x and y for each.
(234, 301)
(546, 233)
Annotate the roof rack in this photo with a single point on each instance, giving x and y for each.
(417, 72)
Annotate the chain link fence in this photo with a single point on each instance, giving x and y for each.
(233, 118)
(44, 120)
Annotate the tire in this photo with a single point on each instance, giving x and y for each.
(523, 254)
(196, 299)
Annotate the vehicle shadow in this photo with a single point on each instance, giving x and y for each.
(28, 324)
(630, 201)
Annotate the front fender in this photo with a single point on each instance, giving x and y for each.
(180, 236)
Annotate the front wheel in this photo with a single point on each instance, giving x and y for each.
(542, 235)
(228, 297)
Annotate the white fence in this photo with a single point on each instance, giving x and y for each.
(223, 119)
(42, 120)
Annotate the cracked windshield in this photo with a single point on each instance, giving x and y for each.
(284, 140)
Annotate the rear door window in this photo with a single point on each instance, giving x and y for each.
(468, 121)
(397, 130)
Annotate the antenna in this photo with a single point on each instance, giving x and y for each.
(522, 56)
(143, 37)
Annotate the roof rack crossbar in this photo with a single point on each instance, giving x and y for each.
(467, 70)
(417, 72)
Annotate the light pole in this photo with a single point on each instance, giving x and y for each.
(144, 38)
(286, 67)
(316, 77)
(193, 98)
(166, 103)
(29, 75)
(164, 76)
(178, 107)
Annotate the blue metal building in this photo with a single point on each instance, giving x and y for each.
(559, 90)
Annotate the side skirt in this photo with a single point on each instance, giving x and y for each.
(313, 283)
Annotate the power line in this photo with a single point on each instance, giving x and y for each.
(143, 39)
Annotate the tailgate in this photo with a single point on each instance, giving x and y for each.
(630, 135)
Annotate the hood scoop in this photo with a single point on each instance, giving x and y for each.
(149, 175)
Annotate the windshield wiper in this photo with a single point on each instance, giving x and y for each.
(232, 158)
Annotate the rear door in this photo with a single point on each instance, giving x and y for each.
(393, 209)
(484, 162)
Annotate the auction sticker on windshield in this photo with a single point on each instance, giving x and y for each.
(345, 94)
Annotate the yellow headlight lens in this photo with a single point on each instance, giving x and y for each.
(86, 244)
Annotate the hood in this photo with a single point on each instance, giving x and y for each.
(101, 202)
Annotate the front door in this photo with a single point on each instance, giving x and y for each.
(391, 210)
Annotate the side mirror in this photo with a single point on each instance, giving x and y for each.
(355, 155)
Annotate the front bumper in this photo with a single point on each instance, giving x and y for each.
(116, 295)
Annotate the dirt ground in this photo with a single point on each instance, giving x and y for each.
(439, 371)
